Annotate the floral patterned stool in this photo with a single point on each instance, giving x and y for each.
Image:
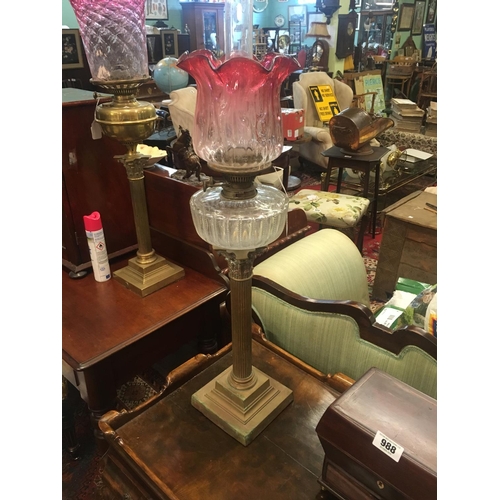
(336, 210)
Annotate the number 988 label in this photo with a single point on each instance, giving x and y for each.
(388, 446)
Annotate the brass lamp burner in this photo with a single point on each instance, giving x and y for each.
(125, 118)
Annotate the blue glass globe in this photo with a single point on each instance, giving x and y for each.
(168, 76)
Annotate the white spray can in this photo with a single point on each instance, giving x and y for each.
(97, 246)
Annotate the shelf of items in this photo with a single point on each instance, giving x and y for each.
(259, 43)
(205, 22)
(273, 37)
(297, 34)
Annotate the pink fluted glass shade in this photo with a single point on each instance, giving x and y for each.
(238, 112)
(114, 38)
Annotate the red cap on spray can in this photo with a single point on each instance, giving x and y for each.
(92, 222)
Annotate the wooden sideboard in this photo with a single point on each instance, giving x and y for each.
(92, 180)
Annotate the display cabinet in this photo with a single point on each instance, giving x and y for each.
(277, 38)
(378, 31)
(155, 47)
(297, 35)
(205, 22)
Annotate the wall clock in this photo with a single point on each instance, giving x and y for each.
(260, 6)
(345, 35)
(279, 20)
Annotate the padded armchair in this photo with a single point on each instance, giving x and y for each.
(321, 139)
(311, 300)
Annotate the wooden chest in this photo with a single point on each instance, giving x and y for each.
(380, 441)
(409, 244)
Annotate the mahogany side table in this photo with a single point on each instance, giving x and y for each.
(109, 334)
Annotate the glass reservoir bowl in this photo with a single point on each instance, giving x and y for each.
(239, 224)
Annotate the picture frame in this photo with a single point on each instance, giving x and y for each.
(297, 14)
(431, 12)
(156, 9)
(375, 4)
(169, 43)
(405, 17)
(418, 17)
(72, 55)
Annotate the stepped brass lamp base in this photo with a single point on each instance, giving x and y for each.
(243, 414)
(144, 279)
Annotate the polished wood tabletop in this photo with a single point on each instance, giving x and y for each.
(100, 319)
(110, 334)
(170, 450)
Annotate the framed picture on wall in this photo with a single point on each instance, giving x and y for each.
(405, 18)
(431, 12)
(169, 43)
(418, 17)
(156, 9)
(72, 56)
(297, 14)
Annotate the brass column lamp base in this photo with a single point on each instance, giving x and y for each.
(144, 279)
(243, 414)
(130, 122)
(242, 400)
(148, 271)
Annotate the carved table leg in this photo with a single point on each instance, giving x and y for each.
(68, 421)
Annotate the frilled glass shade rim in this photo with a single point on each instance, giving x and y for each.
(238, 112)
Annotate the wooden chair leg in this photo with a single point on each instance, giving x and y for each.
(361, 233)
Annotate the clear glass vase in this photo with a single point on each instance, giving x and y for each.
(113, 33)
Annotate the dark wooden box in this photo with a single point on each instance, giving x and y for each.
(356, 469)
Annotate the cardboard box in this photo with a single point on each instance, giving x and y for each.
(293, 123)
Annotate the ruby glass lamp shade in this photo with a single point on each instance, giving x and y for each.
(113, 33)
(238, 111)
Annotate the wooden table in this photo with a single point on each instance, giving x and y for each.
(109, 334)
(170, 450)
(409, 244)
(340, 160)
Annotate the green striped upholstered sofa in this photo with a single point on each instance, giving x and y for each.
(311, 299)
